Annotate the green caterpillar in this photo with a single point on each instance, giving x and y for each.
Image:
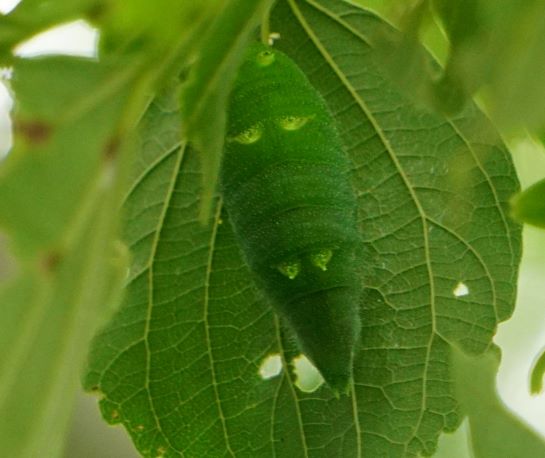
(286, 188)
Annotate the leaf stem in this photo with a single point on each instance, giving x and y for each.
(265, 25)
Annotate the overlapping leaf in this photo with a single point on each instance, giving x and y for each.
(495, 431)
(58, 210)
(494, 50)
(179, 364)
(204, 96)
(529, 206)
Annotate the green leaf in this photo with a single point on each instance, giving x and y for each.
(43, 183)
(60, 191)
(204, 96)
(179, 366)
(498, 46)
(537, 373)
(495, 52)
(157, 28)
(495, 431)
(48, 318)
(529, 206)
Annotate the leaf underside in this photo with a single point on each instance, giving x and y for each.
(178, 366)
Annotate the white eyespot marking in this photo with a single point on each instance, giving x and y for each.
(265, 58)
(293, 122)
(460, 290)
(248, 136)
(273, 36)
(321, 258)
(290, 268)
(270, 367)
(308, 377)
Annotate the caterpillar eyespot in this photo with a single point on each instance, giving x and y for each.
(265, 58)
(248, 136)
(285, 185)
(290, 268)
(321, 258)
(293, 122)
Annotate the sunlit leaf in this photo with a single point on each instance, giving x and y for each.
(537, 373)
(496, 432)
(529, 206)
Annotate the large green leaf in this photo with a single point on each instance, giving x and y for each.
(59, 203)
(179, 364)
(43, 183)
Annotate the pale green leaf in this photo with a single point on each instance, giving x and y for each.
(47, 176)
(204, 96)
(60, 191)
(498, 46)
(529, 206)
(496, 432)
(537, 373)
(164, 30)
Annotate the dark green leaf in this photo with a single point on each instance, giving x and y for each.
(418, 176)
(179, 364)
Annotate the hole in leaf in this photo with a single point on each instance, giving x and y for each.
(8, 5)
(460, 290)
(308, 377)
(75, 38)
(270, 367)
(6, 104)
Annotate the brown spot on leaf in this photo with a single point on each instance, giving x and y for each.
(51, 261)
(112, 147)
(35, 132)
(97, 12)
